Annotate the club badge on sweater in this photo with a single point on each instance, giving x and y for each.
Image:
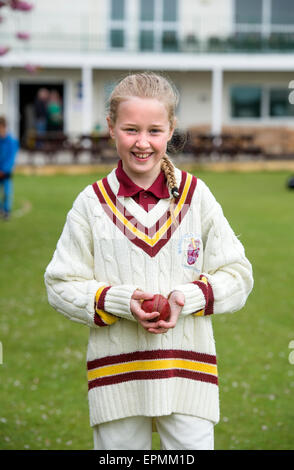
(189, 248)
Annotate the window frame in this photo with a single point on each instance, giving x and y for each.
(246, 118)
(117, 24)
(158, 26)
(265, 105)
(265, 27)
(279, 88)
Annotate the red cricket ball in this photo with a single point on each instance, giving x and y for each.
(160, 304)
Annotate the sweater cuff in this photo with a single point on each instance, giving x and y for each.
(206, 288)
(198, 297)
(117, 301)
(101, 317)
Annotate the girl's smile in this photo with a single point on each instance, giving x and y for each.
(141, 132)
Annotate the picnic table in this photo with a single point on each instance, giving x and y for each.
(100, 146)
(50, 144)
(230, 145)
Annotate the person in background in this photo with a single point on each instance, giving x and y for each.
(54, 112)
(8, 151)
(41, 110)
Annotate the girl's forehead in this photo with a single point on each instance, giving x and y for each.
(142, 107)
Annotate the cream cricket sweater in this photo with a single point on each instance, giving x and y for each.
(111, 246)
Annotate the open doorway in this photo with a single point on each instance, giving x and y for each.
(30, 110)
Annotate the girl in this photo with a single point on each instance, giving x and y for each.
(148, 228)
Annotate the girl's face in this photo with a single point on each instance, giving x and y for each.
(141, 133)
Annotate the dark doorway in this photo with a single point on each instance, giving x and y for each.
(27, 96)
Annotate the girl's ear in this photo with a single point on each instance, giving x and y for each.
(110, 127)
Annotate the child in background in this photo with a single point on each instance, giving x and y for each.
(148, 228)
(54, 112)
(8, 151)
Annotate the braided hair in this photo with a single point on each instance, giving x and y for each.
(174, 146)
(168, 169)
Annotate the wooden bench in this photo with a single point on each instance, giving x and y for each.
(201, 144)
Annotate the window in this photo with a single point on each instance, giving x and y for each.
(147, 10)
(254, 102)
(248, 12)
(282, 12)
(279, 103)
(169, 41)
(158, 25)
(117, 38)
(146, 40)
(117, 25)
(245, 102)
(170, 10)
(117, 9)
(264, 16)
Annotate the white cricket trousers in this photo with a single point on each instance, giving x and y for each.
(176, 431)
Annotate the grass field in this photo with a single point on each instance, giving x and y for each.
(43, 388)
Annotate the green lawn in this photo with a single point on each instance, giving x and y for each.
(43, 387)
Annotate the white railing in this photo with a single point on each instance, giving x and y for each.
(238, 42)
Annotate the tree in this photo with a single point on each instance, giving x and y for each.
(15, 5)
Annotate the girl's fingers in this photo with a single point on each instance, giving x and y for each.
(144, 316)
(141, 295)
(149, 321)
(157, 331)
(167, 324)
(155, 327)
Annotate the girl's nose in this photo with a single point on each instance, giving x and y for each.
(142, 141)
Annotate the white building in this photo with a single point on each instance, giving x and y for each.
(232, 60)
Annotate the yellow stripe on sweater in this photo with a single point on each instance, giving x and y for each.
(150, 241)
(158, 364)
(201, 313)
(106, 317)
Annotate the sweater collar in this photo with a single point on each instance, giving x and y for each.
(128, 188)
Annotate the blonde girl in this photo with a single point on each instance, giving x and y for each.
(148, 228)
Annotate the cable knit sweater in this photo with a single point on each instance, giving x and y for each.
(111, 246)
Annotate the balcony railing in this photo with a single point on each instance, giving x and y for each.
(236, 43)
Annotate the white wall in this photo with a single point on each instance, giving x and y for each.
(206, 17)
(195, 107)
(194, 88)
(51, 20)
(195, 97)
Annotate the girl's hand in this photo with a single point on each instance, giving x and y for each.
(177, 301)
(145, 319)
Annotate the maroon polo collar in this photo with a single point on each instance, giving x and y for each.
(128, 188)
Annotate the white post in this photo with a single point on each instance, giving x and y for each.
(216, 99)
(87, 90)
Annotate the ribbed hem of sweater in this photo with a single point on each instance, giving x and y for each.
(154, 398)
